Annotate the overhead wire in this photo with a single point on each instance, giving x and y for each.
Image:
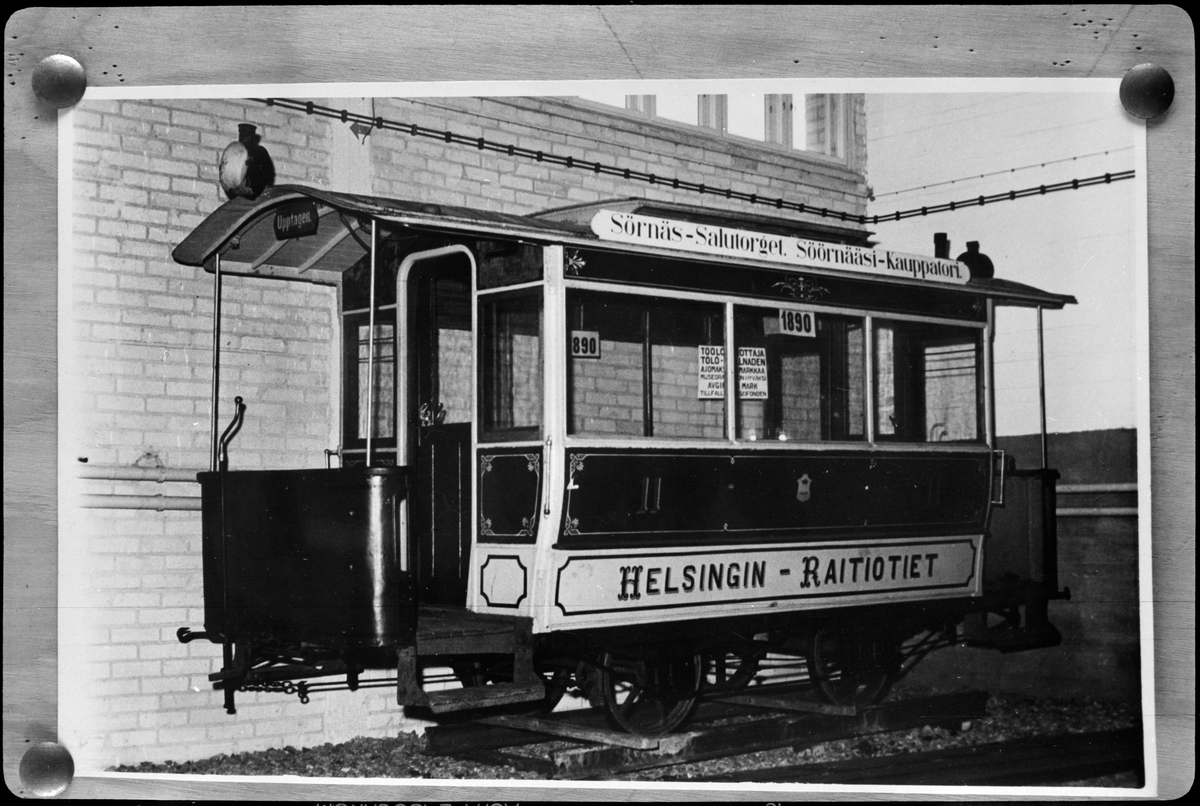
(974, 177)
(599, 168)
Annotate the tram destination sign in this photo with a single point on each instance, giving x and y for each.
(611, 225)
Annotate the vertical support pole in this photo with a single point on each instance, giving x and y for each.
(989, 374)
(647, 378)
(371, 349)
(1042, 389)
(216, 358)
(989, 407)
(731, 379)
(869, 370)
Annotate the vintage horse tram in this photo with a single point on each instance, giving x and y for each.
(633, 447)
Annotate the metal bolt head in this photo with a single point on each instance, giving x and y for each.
(59, 81)
(47, 769)
(1147, 91)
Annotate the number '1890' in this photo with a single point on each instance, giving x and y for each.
(797, 323)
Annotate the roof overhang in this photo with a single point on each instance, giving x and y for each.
(243, 234)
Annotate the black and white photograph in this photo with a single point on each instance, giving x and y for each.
(643, 438)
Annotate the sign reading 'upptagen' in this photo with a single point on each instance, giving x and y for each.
(611, 225)
(296, 220)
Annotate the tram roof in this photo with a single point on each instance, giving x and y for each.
(243, 233)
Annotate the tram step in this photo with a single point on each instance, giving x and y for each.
(464, 699)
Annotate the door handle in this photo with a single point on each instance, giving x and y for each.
(651, 495)
(1003, 462)
(430, 415)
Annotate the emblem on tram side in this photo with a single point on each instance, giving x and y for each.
(801, 288)
(803, 488)
(574, 262)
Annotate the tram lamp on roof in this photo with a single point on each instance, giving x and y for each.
(980, 264)
(246, 169)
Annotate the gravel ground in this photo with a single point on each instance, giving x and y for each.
(1011, 717)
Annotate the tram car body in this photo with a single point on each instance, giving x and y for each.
(629, 446)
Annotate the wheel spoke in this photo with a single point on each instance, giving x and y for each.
(849, 672)
(647, 697)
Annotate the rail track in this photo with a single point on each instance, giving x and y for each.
(578, 745)
(1040, 761)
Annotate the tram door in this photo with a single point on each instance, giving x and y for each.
(440, 414)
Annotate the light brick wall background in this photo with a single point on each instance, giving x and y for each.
(139, 358)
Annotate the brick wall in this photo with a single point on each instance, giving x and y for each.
(139, 366)
(678, 410)
(455, 374)
(145, 175)
(412, 167)
(606, 394)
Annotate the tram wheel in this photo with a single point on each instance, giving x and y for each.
(850, 672)
(647, 697)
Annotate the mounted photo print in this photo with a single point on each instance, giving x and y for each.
(528, 496)
(700, 438)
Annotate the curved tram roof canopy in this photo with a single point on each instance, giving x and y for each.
(244, 234)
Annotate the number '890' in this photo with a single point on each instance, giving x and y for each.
(585, 344)
(799, 323)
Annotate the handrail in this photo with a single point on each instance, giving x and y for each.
(1096, 512)
(1003, 462)
(231, 431)
(1116, 487)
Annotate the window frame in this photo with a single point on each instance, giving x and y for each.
(730, 301)
(352, 446)
(979, 398)
(530, 291)
(826, 400)
(640, 300)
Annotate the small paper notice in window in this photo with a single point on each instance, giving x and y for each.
(797, 323)
(752, 373)
(712, 372)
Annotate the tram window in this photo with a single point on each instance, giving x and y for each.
(441, 325)
(635, 367)
(800, 380)
(511, 368)
(356, 364)
(927, 384)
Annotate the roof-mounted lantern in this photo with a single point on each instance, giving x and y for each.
(980, 264)
(246, 169)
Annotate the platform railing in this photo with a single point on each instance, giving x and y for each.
(1096, 511)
